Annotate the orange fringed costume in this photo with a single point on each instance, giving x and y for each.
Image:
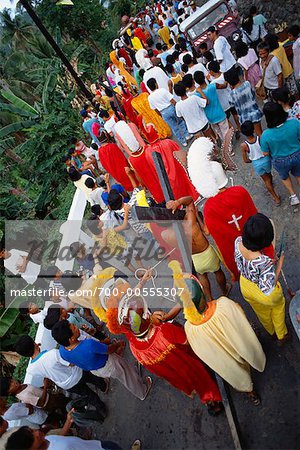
(141, 105)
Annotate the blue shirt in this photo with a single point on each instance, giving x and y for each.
(88, 355)
(213, 110)
(87, 126)
(281, 141)
(117, 187)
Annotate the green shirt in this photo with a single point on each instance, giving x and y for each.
(283, 140)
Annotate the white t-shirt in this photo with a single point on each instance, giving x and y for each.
(31, 395)
(224, 95)
(160, 99)
(18, 411)
(96, 199)
(180, 57)
(40, 316)
(32, 270)
(199, 67)
(191, 109)
(72, 443)
(110, 125)
(271, 74)
(160, 76)
(223, 54)
(49, 364)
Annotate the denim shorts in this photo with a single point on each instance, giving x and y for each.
(262, 165)
(287, 165)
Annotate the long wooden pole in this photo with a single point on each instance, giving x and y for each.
(57, 49)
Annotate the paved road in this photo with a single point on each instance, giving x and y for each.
(169, 420)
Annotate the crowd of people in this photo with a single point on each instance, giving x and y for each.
(160, 94)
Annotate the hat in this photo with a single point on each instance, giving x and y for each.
(115, 44)
(133, 314)
(108, 289)
(207, 176)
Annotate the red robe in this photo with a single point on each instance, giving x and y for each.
(167, 356)
(144, 165)
(179, 180)
(218, 211)
(122, 53)
(114, 162)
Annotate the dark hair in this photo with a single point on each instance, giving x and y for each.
(141, 72)
(182, 45)
(74, 140)
(272, 41)
(253, 10)
(152, 84)
(283, 95)
(275, 114)
(62, 332)
(247, 128)
(74, 174)
(25, 346)
(170, 59)
(176, 53)
(199, 77)
(203, 45)
(96, 210)
(71, 151)
(169, 68)
(180, 89)
(158, 46)
(22, 438)
(241, 49)
(164, 47)
(83, 114)
(103, 113)
(65, 158)
(187, 59)
(232, 77)
(24, 307)
(90, 183)
(150, 53)
(212, 29)
(258, 232)
(263, 46)
(94, 146)
(171, 41)
(52, 317)
(51, 271)
(103, 184)
(74, 248)
(4, 386)
(188, 80)
(294, 30)
(214, 66)
(247, 24)
(92, 224)
(70, 281)
(208, 56)
(185, 68)
(115, 200)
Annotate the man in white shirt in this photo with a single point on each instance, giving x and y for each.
(17, 262)
(162, 101)
(160, 76)
(188, 60)
(222, 50)
(192, 110)
(49, 364)
(96, 193)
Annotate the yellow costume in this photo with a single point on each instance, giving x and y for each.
(90, 289)
(207, 261)
(221, 336)
(141, 105)
(287, 69)
(120, 65)
(270, 309)
(164, 34)
(135, 41)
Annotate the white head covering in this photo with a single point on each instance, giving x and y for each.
(115, 44)
(123, 130)
(207, 176)
(142, 59)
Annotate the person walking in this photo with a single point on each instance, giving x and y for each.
(222, 49)
(259, 276)
(162, 101)
(281, 140)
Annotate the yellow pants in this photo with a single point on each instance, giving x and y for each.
(270, 309)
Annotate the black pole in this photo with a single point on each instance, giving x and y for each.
(57, 49)
(189, 268)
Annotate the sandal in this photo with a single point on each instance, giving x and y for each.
(253, 396)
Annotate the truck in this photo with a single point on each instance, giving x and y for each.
(213, 12)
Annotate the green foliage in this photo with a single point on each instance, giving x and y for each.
(20, 370)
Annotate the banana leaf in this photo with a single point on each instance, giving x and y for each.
(15, 110)
(15, 127)
(10, 315)
(18, 102)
